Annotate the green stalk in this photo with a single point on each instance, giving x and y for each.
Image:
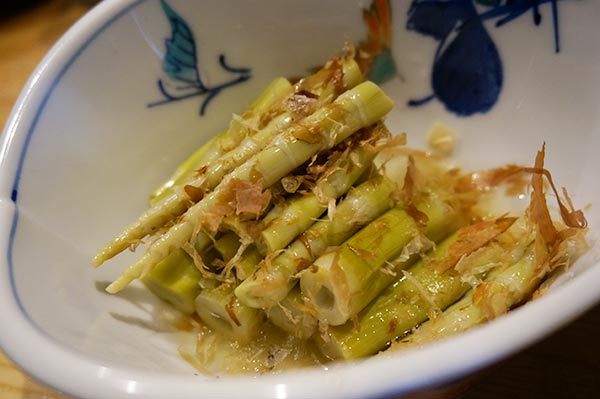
(203, 241)
(249, 146)
(293, 217)
(421, 292)
(222, 312)
(299, 213)
(247, 263)
(273, 280)
(175, 204)
(291, 316)
(502, 289)
(175, 280)
(343, 281)
(222, 143)
(150, 221)
(351, 73)
(227, 246)
(355, 109)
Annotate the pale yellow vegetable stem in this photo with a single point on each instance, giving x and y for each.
(357, 108)
(176, 203)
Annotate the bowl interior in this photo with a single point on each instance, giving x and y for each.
(88, 148)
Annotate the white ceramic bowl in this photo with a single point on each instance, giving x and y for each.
(82, 149)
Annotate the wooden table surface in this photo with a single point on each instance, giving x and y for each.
(565, 365)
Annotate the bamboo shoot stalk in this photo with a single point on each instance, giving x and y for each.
(215, 171)
(343, 281)
(227, 246)
(270, 98)
(203, 241)
(295, 216)
(224, 142)
(274, 279)
(504, 288)
(292, 316)
(300, 212)
(176, 281)
(357, 108)
(246, 265)
(177, 203)
(221, 311)
(421, 292)
(543, 249)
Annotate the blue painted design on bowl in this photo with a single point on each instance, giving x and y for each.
(180, 63)
(467, 73)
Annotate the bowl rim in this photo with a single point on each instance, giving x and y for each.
(83, 376)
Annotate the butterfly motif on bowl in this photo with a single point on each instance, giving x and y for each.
(180, 64)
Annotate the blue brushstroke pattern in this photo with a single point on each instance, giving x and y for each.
(489, 2)
(467, 74)
(512, 9)
(467, 70)
(180, 64)
(180, 60)
(437, 18)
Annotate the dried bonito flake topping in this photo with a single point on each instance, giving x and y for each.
(250, 199)
(309, 232)
(471, 238)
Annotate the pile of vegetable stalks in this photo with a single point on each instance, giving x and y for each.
(309, 218)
